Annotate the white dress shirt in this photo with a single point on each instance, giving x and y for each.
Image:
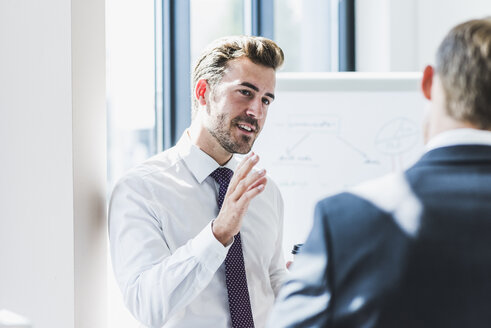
(457, 137)
(166, 260)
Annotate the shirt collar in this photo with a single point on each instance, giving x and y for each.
(200, 163)
(460, 137)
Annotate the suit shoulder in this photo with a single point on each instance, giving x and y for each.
(345, 207)
(341, 201)
(388, 196)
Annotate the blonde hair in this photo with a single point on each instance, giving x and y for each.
(463, 63)
(213, 61)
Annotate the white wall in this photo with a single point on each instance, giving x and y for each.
(52, 167)
(437, 17)
(372, 27)
(88, 56)
(401, 35)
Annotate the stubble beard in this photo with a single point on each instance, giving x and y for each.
(221, 131)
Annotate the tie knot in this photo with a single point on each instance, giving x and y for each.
(222, 175)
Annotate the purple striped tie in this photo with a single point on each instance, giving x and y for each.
(235, 276)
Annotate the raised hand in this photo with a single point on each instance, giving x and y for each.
(243, 187)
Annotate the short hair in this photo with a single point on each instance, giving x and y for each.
(213, 61)
(463, 63)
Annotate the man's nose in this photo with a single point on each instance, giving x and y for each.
(256, 109)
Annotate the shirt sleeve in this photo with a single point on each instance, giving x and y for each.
(155, 282)
(305, 299)
(278, 272)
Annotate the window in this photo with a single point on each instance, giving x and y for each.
(307, 32)
(131, 128)
(211, 19)
(130, 84)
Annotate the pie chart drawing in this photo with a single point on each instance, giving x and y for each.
(397, 136)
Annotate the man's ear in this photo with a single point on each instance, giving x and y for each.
(427, 81)
(200, 90)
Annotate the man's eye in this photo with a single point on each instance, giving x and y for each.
(266, 101)
(245, 92)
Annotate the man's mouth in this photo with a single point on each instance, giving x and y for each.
(246, 127)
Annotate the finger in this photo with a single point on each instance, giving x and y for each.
(245, 199)
(243, 171)
(254, 179)
(234, 180)
(244, 160)
(247, 183)
(262, 180)
(239, 194)
(247, 166)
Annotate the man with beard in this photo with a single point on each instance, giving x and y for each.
(187, 251)
(411, 249)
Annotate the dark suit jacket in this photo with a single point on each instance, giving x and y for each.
(408, 250)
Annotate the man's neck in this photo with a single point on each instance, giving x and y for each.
(440, 122)
(202, 138)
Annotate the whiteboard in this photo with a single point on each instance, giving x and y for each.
(326, 132)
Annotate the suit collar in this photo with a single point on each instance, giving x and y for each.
(458, 153)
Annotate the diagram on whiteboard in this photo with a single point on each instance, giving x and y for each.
(395, 138)
(314, 145)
